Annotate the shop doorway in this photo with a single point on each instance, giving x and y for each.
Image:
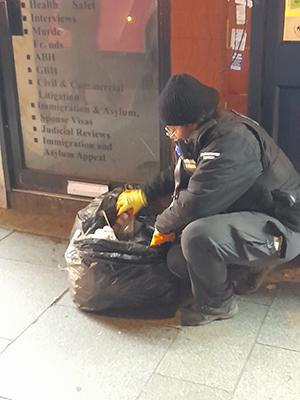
(80, 82)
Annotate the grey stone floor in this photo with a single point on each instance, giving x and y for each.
(49, 350)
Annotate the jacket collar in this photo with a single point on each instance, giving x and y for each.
(204, 126)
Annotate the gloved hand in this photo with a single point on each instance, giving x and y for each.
(158, 238)
(132, 200)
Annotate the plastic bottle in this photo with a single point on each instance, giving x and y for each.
(122, 222)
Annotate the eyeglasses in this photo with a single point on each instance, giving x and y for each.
(169, 133)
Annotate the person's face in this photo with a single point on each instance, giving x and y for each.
(180, 131)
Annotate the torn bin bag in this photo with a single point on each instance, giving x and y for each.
(114, 274)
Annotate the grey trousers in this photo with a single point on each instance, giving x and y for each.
(208, 245)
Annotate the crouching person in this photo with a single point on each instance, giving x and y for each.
(236, 199)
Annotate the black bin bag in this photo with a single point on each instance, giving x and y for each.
(116, 274)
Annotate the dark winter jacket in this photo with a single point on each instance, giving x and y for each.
(229, 164)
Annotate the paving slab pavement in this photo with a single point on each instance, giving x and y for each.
(49, 349)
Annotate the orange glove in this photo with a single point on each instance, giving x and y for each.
(132, 200)
(158, 238)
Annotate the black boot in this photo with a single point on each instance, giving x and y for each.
(196, 314)
(247, 280)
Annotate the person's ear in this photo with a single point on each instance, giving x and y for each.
(192, 126)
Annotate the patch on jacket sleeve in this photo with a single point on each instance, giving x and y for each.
(209, 156)
(189, 165)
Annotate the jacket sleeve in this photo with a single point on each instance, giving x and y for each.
(226, 169)
(160, 185)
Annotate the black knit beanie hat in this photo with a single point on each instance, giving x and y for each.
(185, 100)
